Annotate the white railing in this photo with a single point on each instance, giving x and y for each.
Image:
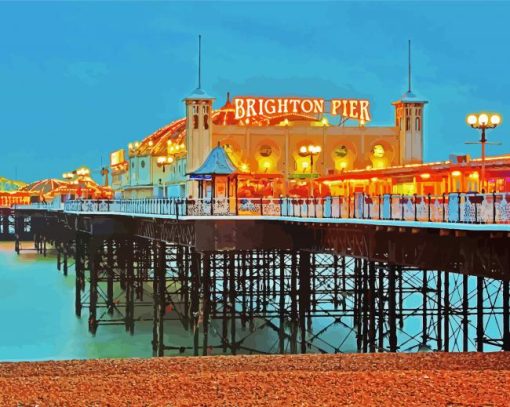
(453, 207)
(54, 205)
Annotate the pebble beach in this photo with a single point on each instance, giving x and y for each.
(443, 379)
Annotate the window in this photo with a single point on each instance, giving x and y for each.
(206, 121)
(195, 109)
(205, 109)
(195, 121)
(408, 123)
(142, 163)
(418, 124)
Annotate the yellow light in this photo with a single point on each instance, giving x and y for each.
(303, 150)
(311, 148)
(343, 164)
(130, 145)
(151, 143)
(425, 175)
(169, 142)
(305, 164)
(244, 167)
(137, 144)
(324, 121)
(474, 175)
(170, 160)
(483, 119)
(161, 160)
(373, 179)
(362, 123)
(183, 146)
(495, 119)
(456, 173)
(471, 119)
(267, 165)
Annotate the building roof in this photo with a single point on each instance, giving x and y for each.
(492, 165)
(410, 97)
(199, 94)
(175, 132)
(217, 163)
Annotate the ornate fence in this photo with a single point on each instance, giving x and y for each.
(453, 207)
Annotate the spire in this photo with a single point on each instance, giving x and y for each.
(409, 65)
(199, 61)
(199, 93)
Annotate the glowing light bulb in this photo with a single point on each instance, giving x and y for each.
(456, 173)
(425, 176)
(471, 119)
(318, 149)
(302, 149)
(483, 119)
(495, 119)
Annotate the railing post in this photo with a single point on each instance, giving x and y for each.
(429, 208)
(444, 212)
(212, 206)
(177, 201)
(261, 207)
(402, 217)
(458, 206)
(494, 207)
(391, 207)
(415, 209)
(236, 203)
(379, 207)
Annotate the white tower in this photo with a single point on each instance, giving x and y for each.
(409, 120)
(198, 128)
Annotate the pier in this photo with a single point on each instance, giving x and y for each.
(388, 273)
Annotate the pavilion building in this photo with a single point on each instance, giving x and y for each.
(276, 151)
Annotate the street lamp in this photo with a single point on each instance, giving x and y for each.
(483, 121)
(310, 151)
(163, 161)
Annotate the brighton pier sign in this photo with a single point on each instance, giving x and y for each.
(246, 107)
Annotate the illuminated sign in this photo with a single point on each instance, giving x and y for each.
(246, 107)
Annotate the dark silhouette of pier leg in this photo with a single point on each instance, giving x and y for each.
(93, 294)
(479, 314)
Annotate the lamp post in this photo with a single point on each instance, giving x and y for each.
(483, 121)
(310, 151)
(163, 161)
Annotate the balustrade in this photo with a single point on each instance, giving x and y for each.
(453, 207)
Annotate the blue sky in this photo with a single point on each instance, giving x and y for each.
(81, 79)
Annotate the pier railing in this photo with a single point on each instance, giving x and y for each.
(452, 207)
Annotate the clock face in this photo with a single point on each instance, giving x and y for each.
(341, 152)
(265, 150)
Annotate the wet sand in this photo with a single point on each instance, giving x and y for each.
(303, 380)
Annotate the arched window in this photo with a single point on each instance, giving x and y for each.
(418, 124)
(206, 121)
(195, 121)
(408, 123)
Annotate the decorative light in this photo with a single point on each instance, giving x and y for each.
(303, 150)
(425, 175)
(471, 119)
(324, 121)
(244, 167)
(343, 164)
(495, 119)
(305, 164)
(474, 175)
(456, 173)
(373, 179)
(151, 143)
(483, 119)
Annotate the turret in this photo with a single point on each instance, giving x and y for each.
(409, 120)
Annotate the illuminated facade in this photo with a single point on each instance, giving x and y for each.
(278, 145)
